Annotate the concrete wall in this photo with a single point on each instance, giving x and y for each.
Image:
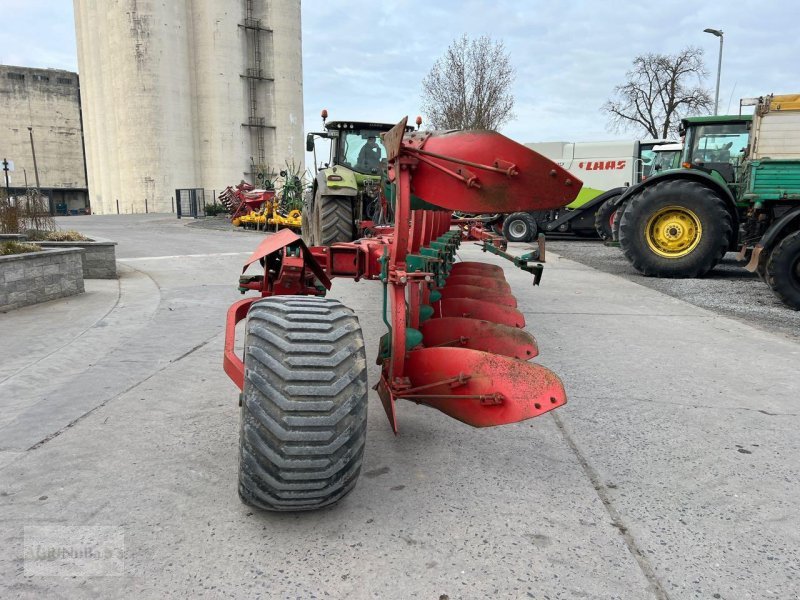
(99, 258)
(39, 276)
(164, 101)
(48, 101)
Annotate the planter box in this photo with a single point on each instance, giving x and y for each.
(99, 257)
(12, 237)
(40, 276)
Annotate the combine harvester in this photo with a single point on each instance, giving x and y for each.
(455, 339)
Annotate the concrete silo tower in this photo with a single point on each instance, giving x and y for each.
(186, 94)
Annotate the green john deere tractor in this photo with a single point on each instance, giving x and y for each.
(738, 189)
(347, 189)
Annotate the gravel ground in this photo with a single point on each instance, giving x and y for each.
(728, 289)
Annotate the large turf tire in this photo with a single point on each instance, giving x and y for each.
(333, 219)
(604, 218)
(783, 270)
(304, 404)
(709, 209)
(520, 227)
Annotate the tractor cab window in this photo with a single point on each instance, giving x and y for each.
(665, 160)
(362, 151)
(719, 147)
(719, 143)
(645, 163)
(647, 155)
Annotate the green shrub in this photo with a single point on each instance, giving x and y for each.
(8, 248)
(212, 210)
(55, 236)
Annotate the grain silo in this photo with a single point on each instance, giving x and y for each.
(186, 94)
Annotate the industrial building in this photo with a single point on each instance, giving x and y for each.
(186, 94)
(40, 114)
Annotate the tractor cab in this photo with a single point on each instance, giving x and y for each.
(358, 146)
(666, 157)
(716, 144)
(644, 166)
(355, 145)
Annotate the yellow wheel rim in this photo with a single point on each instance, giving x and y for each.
(673, 232)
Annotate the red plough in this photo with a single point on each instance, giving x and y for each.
(455, 338)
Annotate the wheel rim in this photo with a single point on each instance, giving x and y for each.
(518, 229)
(673, 232)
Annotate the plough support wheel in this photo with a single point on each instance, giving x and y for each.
(304, 403)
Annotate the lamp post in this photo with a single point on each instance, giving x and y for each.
(718, 33)
(33, 153)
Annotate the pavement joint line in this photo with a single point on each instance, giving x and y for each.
(72, 341)
(681, 405)
(616, 518)
(173, 256)
(132, 387)
(621, 314)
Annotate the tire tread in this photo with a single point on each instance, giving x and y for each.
(304, 408)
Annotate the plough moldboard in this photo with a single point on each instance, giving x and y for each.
(455, 342)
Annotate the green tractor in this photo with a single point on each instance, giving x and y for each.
(738, 188)
(347, 189)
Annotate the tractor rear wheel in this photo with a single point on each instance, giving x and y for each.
(333, 219)
(304, 404)
(307, 222)
(783, 270)
(604, 219)
(675, 228)
(520, 227)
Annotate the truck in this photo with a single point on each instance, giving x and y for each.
(738, 188)
(606, 168)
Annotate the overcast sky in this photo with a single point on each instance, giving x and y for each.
(366, 59)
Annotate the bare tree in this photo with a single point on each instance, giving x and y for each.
(469, 87)
(660, 90)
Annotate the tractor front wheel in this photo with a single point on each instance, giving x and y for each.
(675, 228)
(333, 219)
(304, 404)
(604, 219)
(615, 223)
(783, 270)
(520, 227)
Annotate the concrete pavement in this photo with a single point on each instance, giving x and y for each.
(673, 472)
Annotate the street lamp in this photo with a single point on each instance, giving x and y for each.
(718, 33)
